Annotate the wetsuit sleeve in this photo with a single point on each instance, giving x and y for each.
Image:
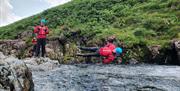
(108, 59)
(47, 30)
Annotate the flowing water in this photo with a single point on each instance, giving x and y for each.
(83, 77)
(49, 76)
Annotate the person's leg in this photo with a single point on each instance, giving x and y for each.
(43, 47)
(34, 50)
(93, 49)
(89, 55)
(38, 47)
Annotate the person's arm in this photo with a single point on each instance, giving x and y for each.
(108, 59)
(47, 30)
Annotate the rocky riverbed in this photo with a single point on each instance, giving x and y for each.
(48, 75)
(108, 78)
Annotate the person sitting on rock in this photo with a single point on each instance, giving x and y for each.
(41, 32)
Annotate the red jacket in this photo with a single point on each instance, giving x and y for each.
(41, 31)
(107, 52)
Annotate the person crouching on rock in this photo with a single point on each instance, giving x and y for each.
(41, 32)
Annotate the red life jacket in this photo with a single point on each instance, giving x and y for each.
(105, 51)
(41, 31)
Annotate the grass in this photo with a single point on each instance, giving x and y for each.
(151, 22)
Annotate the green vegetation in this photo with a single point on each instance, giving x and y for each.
(148, 22)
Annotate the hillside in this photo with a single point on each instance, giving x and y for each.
(139, 23)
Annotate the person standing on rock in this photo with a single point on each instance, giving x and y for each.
(41, 31)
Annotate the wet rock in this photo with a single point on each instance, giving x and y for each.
(174, 52)
(57, 48)
(19, 44)
(133, 61)
(154, 50)
(154, 54)
(149, 88)
(41, 64)
(12, 47)
(25, 34)
(15, 75)
(54, 52)
(177, 47)
(50, 52)
(2, 56)
(54, 49)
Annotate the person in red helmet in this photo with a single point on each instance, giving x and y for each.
(41, 31)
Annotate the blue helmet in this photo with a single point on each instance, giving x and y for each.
(118, 50)
(43, 21)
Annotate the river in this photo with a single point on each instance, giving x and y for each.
(98, 77)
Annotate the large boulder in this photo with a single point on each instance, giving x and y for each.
(12, 47)
(177, 49)
(41, 64)
(154, 53)
(59, 48)
(154, 50)
(14, 75)
(54, 50)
